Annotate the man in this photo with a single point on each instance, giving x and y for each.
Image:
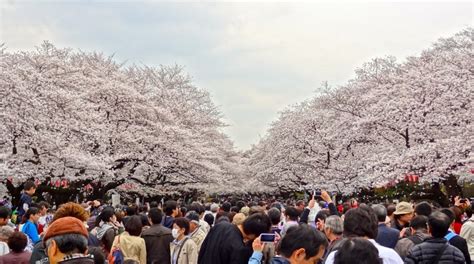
(171, 211)
(300, 205)
(5, 214)
(453, 239)
(333, 229)
(25, 199)
(301, 245)
(402, 215)
(362, 222)
(386, 236)
(199, 208)
(419, 231)
(467, 232)
(226, 243)
(291, 214)
(66, 241)
(436, 249)
(275, 216)
(157, 239)
(195, 232)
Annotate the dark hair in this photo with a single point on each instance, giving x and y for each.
(209, 218)
(299, 203)
(170, 206)
(235, 209)
(380, 211)
(423, 208)
(134, 225)
(240, 204)
(145, 221)
(292, 213)
(131, 210)
(226, 207)
(275, 215)
(256, 224)
(98, 254)
(302, 236)
(457, 214)
(359, 249)
(449, 213)
(105, 215)
(29, 185)
(419, 222)
(5, 212)
(277, 205)
(17, 242)
(391, 208)
(358, 223)
(183, 210)
(31, 211)
(182, 222)
(154, 204)
(321, 215)
(439, 224)
(70, 243)
(156, 215)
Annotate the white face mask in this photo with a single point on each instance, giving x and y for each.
(175, 233)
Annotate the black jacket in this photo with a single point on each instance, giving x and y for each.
(157, 240)
(224, 245)
(426, 252)
(387, 236)
(461, 244)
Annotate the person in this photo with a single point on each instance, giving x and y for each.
(362, 222)
(171, 211)
(333, 229)
(43, 211)
(30, 228)
(457, 224)
(17, 243)
(183, 249)
(195, 232)
(402, 215)
(106, 229)
(423, 208)
(157, 239)
(26, 199)
(209, 218)
(300, 206)
(467, 232)
(419, 233)
(199, 208)
(5, 233)
(129, 242)
(97, 254)
(357, 249)
(226, 243)
(275, 217)
(66, 242)
(292, 214)
(436, 248)
(453, 238)
(238, 219)
(5, 214)
(302, 244)
(386, 236)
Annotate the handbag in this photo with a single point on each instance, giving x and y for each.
(116, 254)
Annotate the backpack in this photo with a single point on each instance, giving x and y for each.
(116, 254)
(450, 235)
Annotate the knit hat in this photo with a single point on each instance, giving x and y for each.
(403, 208)
(65, 225)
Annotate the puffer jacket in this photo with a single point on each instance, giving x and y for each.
(426, 252)
(279, 260)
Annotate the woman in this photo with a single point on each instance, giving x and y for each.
(130, 243)
(183, 249)
(30, 228)
(106, 229)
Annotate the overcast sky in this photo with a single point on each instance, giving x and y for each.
(254, 58)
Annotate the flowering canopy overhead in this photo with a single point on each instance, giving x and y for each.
(391, 120)
(76, 115)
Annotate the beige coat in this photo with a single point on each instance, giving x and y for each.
(198, 237)
(188, 254)
(132, 247)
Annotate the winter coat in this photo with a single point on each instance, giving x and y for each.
(157, 240)
(132, 247)
(16, 258)
(387, 236)
(184, 251)
(467, 232)
(405, 244)
(198, 237)
(426, 252)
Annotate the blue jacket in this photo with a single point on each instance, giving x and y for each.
(30, 229)
(387, 237)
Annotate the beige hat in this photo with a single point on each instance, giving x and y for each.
(403, 208)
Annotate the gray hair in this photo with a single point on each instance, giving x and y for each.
(380, 211)
(69, 243)
(335, 224)
(6, 232)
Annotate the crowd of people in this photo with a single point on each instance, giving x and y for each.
(236, 232)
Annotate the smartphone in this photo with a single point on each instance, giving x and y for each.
(267, 237)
